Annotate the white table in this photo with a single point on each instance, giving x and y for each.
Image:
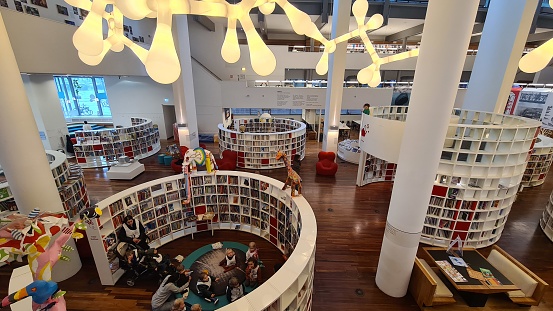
(125, 171)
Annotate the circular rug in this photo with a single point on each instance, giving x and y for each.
(210, 261)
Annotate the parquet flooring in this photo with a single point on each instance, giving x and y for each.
(351, 223)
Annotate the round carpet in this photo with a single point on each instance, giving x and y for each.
(210, 261)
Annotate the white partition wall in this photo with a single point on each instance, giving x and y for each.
(239, 201)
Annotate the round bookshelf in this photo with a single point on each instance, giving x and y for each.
(539, 162)
(546, 223)
(99, 148)
(482, 164)
(234, 201)
(257, 141)
(349, 151)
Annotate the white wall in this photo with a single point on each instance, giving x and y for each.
(209, 100)
(138, 97)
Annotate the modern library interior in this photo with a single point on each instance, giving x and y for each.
(276, 155)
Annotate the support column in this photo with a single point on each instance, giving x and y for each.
(503, 39)
(447, 30)
(22, 155)
(183, 88)
(336, 71)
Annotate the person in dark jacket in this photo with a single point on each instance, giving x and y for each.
(132, 231)
(235, 290)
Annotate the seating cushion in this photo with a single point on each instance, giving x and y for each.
(516, 294)
(522, 280)
(441, 289)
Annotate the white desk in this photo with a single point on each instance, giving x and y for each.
(125, 171)
(343, 127)
(20, 278)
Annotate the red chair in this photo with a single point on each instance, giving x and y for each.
(228, 162)
(326, 165)
(176, 164)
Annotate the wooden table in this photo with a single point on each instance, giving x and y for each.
(474, 292)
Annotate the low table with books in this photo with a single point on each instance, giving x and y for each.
(471, 274)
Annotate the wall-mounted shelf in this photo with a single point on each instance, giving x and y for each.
(102, 147)
(262, 138)
(239, 201)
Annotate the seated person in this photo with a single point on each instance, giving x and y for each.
(235, 290)
(253, 273)
(164, 297)
(196, 307)
(205, 287)
(229, 262)
(133, 262)
(253, 252)
(132, 231)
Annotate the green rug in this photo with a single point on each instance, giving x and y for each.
(192, 257)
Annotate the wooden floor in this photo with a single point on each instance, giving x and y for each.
(351, 223)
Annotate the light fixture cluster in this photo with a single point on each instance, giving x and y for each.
(539, 57)
(161, 61)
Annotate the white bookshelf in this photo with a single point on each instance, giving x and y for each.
(262, 138)
(100, 148)
(349, 151)
(481, 168)
(539, 162)
(546, 223)
(238, 201)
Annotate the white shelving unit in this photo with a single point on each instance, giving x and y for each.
(546, 223)
(102, 147)
(238, 201)
(539, 162)
(262, 138)
(349, 151)
(480, 171)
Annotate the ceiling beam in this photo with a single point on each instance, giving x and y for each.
(386, 12)
(264, 29)
(413, 31)
(534, 24)
(205, 22)
(477, 28)
(322, 20)
(540, 37)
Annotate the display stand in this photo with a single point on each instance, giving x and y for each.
(238, 201)
(546, 223)
(261, 139)
(479, 174)
(539, 162)
(103, 147)
(349, 151)
(125, 171)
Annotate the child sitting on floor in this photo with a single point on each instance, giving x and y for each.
(235, 290)
(253, 252)
(253, 274)
(205, 287)
(229, 262)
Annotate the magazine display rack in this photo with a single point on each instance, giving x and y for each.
(539, 162)
(103, 147)
(546, 223)
(69, 180)
(349, 151)
(228, 200)
(260, 139)
(480, 171)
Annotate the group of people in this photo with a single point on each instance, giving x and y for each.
(176, 280)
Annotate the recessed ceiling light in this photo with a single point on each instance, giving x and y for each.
(243, 68)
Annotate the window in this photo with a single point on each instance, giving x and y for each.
(83, 97)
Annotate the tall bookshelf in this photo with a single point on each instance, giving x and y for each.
(539, 162)
(69, 180)
(102, 147)
(262, 138)
(546, 223)
(238, 201)
(482, 164)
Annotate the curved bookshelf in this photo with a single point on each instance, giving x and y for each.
(546, 223)
(238, 201)
(102, 147)
(539, 162)
(480, 171)
(349, 151)
(261, 139)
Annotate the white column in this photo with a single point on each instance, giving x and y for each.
(336, 70)
(183, 88)
(503, 39)
(22, 155)
(447, 30)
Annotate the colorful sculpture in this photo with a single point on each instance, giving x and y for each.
(31, 235)
(198, 156)
(293, 180)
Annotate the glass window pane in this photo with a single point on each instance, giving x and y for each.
(241, 111)
(296, 111)
(280, 111)
(354, 111)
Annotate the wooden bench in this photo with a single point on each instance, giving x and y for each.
(427, 288)
(532, 288)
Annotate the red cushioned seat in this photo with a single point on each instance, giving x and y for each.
(203, 146)
(228, 162)
(326, 165)
(176, 165)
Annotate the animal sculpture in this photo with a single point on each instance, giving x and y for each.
(293, 180)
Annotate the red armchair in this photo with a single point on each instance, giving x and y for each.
(326, 165)
(176, 164)
(228, 162)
